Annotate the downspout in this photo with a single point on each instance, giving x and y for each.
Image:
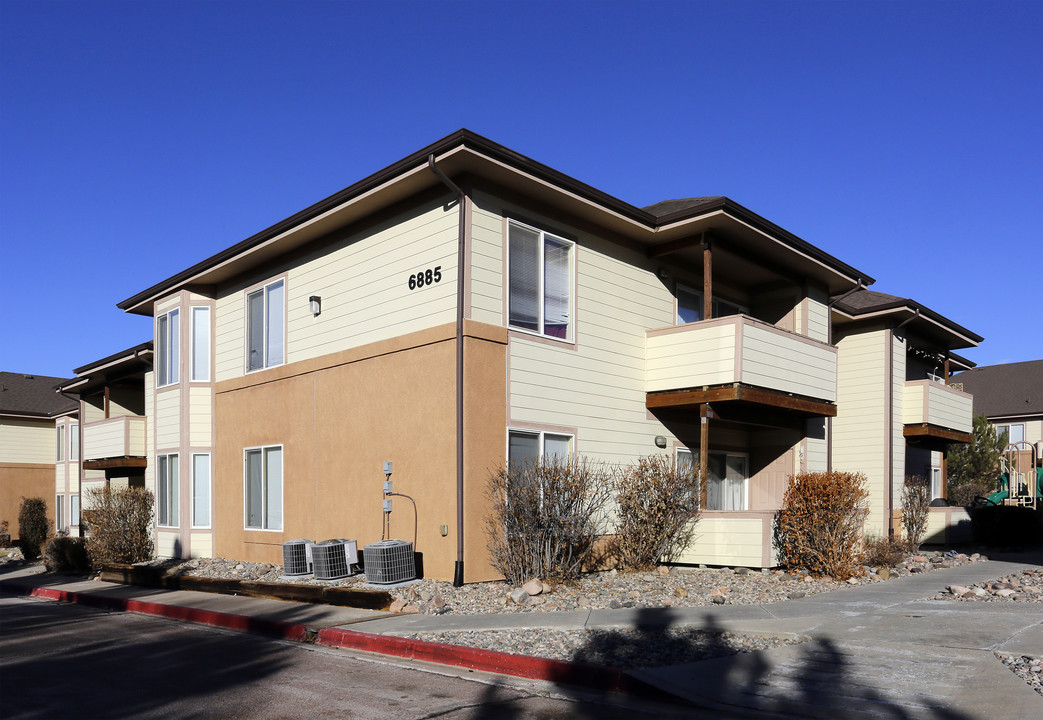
(458, 572)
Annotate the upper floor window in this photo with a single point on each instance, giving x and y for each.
(265, 313)
(74, 444)
(168, 348)
(201, 344)
(690, 306)
(59, 451)
(540, 277)
(1015, 433)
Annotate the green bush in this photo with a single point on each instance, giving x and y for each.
(66, 554)
(544, 517)
(820, 524)
(658, 507)
(33, 526)
(120, 524)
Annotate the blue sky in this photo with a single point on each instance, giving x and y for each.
(137, 138)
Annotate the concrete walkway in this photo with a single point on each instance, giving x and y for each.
(873, 651)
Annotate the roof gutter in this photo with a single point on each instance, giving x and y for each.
(461, 200)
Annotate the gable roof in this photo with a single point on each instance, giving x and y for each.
(1009, 390)
(466, 153)
(866, 303)
(32, 396)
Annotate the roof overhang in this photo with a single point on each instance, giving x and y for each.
(466, 154)
(920, 320)
(126, 363)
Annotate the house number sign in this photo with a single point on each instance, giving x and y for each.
(425, 277)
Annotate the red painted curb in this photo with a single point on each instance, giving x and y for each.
(273, 628)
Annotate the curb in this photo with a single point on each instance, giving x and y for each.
(594, 677)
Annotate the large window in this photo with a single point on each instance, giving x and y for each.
(690, 306)
(729, 480)
(263, 477)
(265, 312)
(74, 510)
(74, 443)
(59, 440)
(1015, 433)
(59, 513)
(540, 270)
(168, 343)
(201, 490)
(201, 344)
(167, 489)
(526, 445)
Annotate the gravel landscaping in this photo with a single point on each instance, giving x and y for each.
(1028, 668)
(1026, 586)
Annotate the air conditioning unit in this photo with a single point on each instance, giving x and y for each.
(296, 557)
(331, 559)
(389, 561)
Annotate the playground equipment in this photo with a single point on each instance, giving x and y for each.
(1019, 467)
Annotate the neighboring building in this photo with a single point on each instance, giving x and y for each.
(39, 448)
(468, 305)
(1011, 397)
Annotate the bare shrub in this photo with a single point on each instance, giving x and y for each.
(916, 504)
(66, 554)
(33, 526)
(658, 507)
(883, 551)
(120, 523)
(820, 524)
(963, 495)
(544, 516)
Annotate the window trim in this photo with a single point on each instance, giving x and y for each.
(192, 311)
(570, 332)
(209, 490)
(264, 485)
(168, 350)
(173, 483)
(264, 290)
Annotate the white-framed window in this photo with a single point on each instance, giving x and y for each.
(690, 306)
(200, 366)
(729, 482)
(167, 490)
(59, 513)
(523, 445)
(539, 268)
(262, 480)
(59, 443)
(74, 443)
(936, 482)
(74, 510)
(265, 326)
(201, 490)
(168, 348)
(1015, 433)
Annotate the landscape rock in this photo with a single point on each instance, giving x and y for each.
(533, 587)
(519, 596)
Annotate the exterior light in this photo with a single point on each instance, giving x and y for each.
(660, 441)
(315, 303)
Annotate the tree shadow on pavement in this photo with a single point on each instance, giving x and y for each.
(816, 679)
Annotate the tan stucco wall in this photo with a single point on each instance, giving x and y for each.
(18, 480)
(339, 417)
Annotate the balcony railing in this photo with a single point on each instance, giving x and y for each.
(739, 349)
(114, 438)
(928, 403)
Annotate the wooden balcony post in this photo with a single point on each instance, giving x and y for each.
(707, 278)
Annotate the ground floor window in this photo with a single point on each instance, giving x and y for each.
(523, 445)
(728, 487)
(59, 512)
(201, 490)
(74, 510)
(936, 483)
(263, 480)
(167, 490)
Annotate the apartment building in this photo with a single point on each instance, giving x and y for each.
(467, 306)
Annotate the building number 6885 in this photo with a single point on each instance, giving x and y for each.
(425, 277)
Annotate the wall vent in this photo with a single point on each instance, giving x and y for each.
(389, 561)
(296, 557)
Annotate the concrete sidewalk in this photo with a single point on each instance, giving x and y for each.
(872, 650)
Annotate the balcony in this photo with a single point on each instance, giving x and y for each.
(115, 442)
(932, 411)
(738, 358)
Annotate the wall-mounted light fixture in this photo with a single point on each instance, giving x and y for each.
(663, 274)
(660, 441)
(315, 303)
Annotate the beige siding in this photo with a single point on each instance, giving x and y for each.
(695, 356)
(949, 408)
(947, 525)
(167, 542)
(859, 429)
(727, 541)
(115, 437)
(27, 441)
(202, 545)
(168, 419)
(771, 359)
(362, 279)
(817, 446)
(486, 265)
(200, 416)
(818, 315)
(897, 426)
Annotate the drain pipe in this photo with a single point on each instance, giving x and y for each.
(458, 572)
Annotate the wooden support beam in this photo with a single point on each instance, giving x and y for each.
(112, 463)
(106, 402)
(707, 278)
(925, 431)
(739, 393)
